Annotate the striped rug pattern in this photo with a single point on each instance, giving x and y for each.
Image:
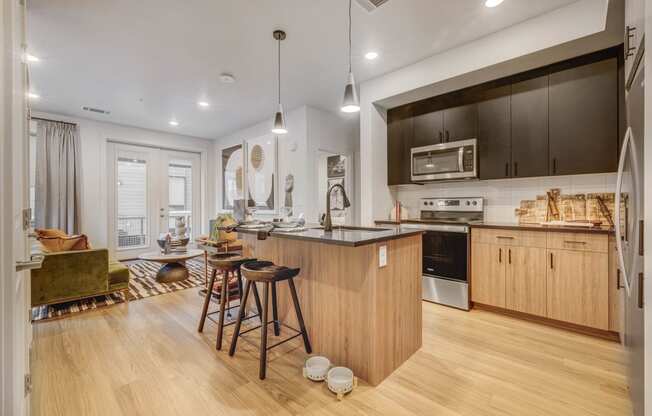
(142, 284)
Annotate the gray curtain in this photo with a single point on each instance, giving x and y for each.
(58, 177)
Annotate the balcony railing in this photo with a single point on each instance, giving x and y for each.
(132, 230)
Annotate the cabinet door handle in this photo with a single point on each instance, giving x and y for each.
(507, 169)
(554, 166)
(618, 286)
(515, 168)
(441, 137)
(500, 255)
(448, 135)
(574, 242)
(629, 49)
(509, 256)
(641, 237)
(504, 237)
(552, 265)
(640, 290)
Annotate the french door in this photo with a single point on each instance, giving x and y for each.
(150, 190)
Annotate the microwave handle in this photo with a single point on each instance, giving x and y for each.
(460, 159)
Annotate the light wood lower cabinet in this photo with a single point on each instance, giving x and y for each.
(526, 280)
(488, 271)
(562, 276)
(577, 287)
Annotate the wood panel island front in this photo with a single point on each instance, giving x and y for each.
(362, 307)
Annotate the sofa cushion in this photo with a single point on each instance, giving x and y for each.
(118, 274)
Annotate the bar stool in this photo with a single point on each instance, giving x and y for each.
(269, 274)
(229, 264)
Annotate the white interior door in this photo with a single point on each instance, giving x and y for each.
(149, 189)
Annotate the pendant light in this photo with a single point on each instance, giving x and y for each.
(350, 103)
(279, 116)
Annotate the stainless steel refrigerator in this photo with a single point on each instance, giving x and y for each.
(629, 237)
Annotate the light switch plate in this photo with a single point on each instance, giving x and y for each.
(382, 256)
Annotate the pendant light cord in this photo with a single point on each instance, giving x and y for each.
(349, 36)
(279, 71)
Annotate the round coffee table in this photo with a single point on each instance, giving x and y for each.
(174, 264)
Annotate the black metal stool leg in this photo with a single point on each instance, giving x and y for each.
(263, 334)
(257, 299)
(207, 301)
(223, 296)
(297, 308)
(277, 327)
(238, 322)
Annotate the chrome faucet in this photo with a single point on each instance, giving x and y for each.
(328, 223)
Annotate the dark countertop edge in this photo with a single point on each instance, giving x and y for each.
(523, 227)
(298, 236)
(537, 227)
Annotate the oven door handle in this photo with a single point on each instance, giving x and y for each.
(460, 159)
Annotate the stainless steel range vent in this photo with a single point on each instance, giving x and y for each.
(96, 110)
(371, 5)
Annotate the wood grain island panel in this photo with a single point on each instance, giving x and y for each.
(359, 315)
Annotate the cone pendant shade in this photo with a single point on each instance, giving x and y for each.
(279, 121)
(350, 103)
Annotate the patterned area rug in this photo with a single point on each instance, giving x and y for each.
(141, 285)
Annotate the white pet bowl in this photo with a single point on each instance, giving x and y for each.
(341, 381)
(316, 368)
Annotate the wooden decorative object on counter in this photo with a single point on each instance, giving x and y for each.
(570, 209)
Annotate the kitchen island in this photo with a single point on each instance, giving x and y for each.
(359, 289)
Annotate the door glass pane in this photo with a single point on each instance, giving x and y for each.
(180, 196)
(132, 226)
(437, 162)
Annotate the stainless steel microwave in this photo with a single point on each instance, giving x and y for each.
(446, 161)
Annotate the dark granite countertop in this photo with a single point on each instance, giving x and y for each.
(351, 236)
(506, 225)
(539, 227)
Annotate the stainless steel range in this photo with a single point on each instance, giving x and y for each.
(446, 247)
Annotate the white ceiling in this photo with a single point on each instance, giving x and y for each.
(148, 61)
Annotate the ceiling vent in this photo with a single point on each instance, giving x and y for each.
(96, 110)
(371, 5)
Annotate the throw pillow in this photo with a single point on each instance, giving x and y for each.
(58, 244)
(50, 232)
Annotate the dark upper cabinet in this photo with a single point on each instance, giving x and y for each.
(530, 127)
(494, 133)
(399, 143)
(428, 129)
(584, 119)
(461, 123)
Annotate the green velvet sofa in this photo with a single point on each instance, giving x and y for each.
(73, 275)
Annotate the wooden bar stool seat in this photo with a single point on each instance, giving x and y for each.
(229, 287)
(269, 274)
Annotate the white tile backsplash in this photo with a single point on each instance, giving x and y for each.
(503, 196)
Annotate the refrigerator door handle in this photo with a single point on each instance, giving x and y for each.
(617, 199)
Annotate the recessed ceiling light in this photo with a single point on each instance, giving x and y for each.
(203, 104)
(33, 96)
(371, 55)
(492, 3)
(31, 58)
(227, 78)
(173, 123)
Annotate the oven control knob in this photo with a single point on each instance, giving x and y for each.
(475, 203)
(468, 203)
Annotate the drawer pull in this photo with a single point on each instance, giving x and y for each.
(500, 255)
(509, 253)
(574, 242)
(552, 266)
(503, 237)
(641, 288)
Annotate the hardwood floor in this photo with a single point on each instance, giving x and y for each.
(146, 358)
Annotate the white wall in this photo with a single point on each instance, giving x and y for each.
(309, 130)
(94, 137)
(578, 28)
